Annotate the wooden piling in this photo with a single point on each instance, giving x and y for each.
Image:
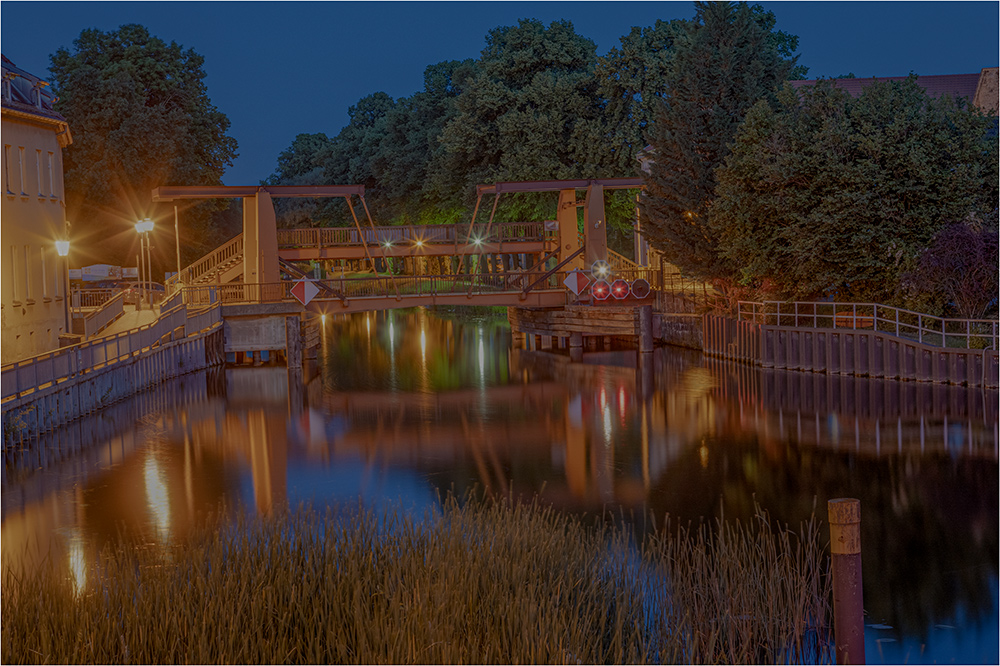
(845, 552)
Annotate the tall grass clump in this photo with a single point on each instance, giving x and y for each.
(475, 581)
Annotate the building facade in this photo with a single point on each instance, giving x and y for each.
(33, 277)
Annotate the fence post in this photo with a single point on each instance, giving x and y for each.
(845, 552)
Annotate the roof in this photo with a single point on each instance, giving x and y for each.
(26, 95)
(956, 85)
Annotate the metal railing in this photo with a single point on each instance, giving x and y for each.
(411, 234)
(38, 372)
(91, 298)
(107, 314)
(915, 326)
(363, 287)
(207, 264)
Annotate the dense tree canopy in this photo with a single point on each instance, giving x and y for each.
(141, 118)
(827, 195)
(530, 113)
(724, 60)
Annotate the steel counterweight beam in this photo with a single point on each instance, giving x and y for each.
(173, 192)
(557, 185)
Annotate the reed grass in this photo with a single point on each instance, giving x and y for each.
(476, 581)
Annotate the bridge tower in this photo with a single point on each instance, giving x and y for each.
(595, 235)
(260, 233)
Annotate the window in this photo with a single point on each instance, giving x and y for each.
(45, 285)
(38, 172)
(13, 274)
(6, 168)
(27, 275)
(20, 167)
(52, 182)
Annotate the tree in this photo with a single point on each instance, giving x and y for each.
(724, 61)
(957, 273)
(531, 112)
(141, 118)
(827, 195)
(301, 164)
(633, 80)
(410, 146)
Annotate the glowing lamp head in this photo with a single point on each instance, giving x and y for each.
(387, 244)
(62, 247)
(477, 241)
(601, 290)
(144, 226)
(419, 242)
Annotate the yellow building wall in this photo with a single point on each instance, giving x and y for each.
(33, 215)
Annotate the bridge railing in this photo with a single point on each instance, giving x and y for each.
(38, 372)
(91, 298)
(98, 320)
(362, 287)
(208, 263)
(425, 233)
(923, 328)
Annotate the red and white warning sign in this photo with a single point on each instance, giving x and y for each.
(304, 291)
(576, 281)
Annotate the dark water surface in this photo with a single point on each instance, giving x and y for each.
(410, 404)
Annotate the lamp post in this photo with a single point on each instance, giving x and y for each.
(62, 249)
(143, 227)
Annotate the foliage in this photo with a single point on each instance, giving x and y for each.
(957, 273)
(530, 113)
(141, 117)
(632, 83)
(724, 60)
(832, 196)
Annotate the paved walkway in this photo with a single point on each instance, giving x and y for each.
(131, 319)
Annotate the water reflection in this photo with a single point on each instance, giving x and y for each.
(410, 404)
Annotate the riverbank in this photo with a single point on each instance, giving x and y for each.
(474, 581)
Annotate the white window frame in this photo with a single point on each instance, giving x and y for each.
(38, 171)
(20, 164)
(45, 283)
(13, 275)
(52, 181)
(28, 296)
(6, 167)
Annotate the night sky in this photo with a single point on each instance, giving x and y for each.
(280, 69)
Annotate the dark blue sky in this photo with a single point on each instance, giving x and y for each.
(280, 69)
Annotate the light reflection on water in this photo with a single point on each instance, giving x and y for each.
(409, 405)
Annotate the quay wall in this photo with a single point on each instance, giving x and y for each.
(863, 353)
(26, 417)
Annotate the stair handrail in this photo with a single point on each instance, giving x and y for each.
(207, 263)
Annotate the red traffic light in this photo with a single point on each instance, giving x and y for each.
(619, 289)
(640, 288)
(601, 290)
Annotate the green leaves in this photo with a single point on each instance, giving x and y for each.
(826, 195)
(141, 118)
(723, 62)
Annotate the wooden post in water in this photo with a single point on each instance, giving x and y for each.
(645, 328)
(845, 552)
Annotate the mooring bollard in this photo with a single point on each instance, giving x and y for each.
(845, 553)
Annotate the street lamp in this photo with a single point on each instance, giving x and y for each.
(143, 227)
(62, 249)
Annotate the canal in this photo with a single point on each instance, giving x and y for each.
(408, 405)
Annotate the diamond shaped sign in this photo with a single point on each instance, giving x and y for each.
(576, 281)
(304, 291)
